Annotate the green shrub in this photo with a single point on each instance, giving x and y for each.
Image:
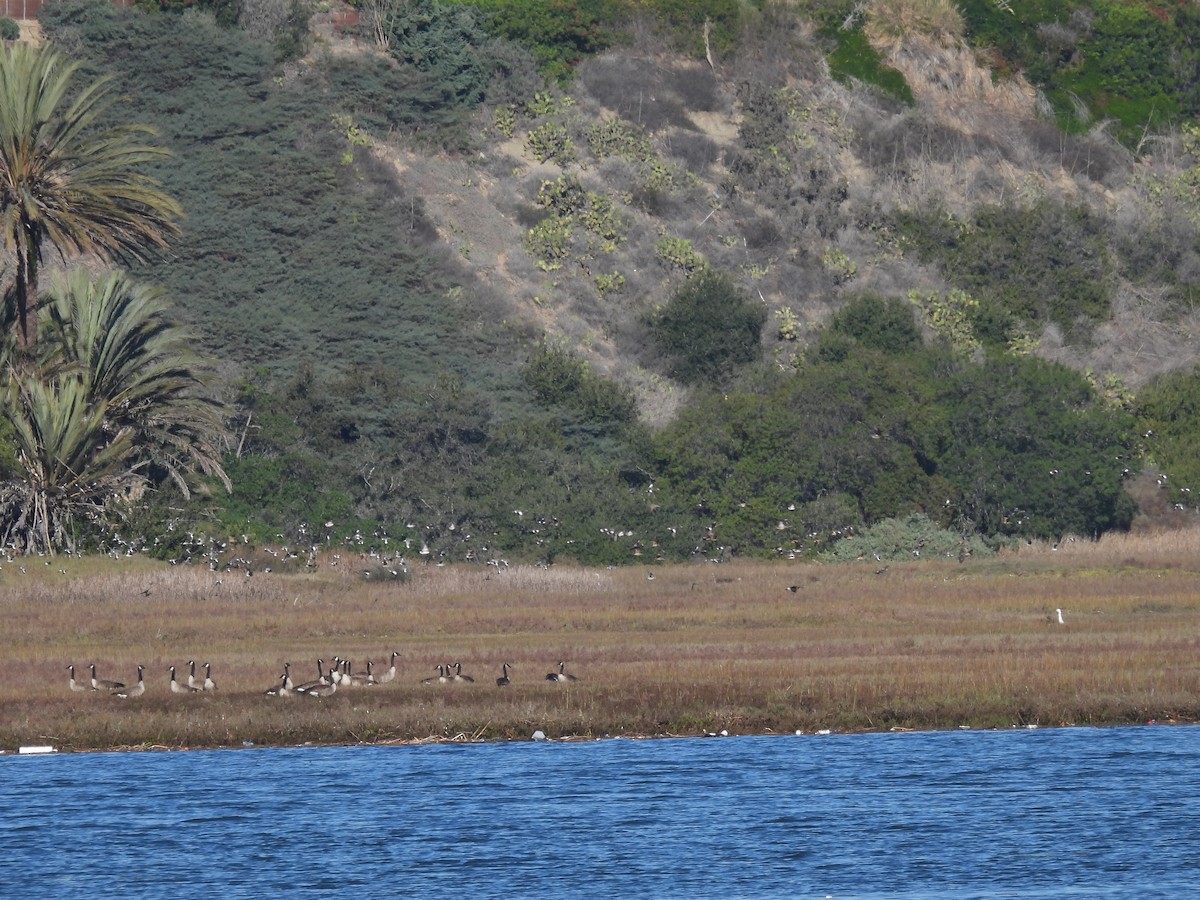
(558, 34)
(1034, 451)
(678, 253)
(443, 40)
(683, 21)
(10, 30)
(557, 377)
(881, 324)
(1025, 265)
(1168, 417)
(912, 537)
(708, 328)
(853, 58)
(551, 141)
(1132, 62)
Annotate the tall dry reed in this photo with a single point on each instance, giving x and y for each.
(742, 647)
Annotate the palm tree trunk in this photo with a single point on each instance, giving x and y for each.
(26, 289)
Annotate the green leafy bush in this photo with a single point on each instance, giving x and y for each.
(551, 141)
(1034, 451)
(708, 328)
(10, 30)
(1132, 62)
(853, 58)
(881, 324)
(1168, 416)
(1025, 265)
(912, 537)
(443, 41)
(558, 377)
(557, 34)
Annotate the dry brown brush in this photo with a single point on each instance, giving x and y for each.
(695, 649)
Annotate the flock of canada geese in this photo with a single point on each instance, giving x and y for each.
(339, 675)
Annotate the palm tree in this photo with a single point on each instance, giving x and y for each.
(115, 402)
(65, 181)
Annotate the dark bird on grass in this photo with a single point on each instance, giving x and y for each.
(137, 690)
(192, 675)
(793, 588)
(281, 689)
(320, 682)
(458, 675)
(503, 680)
(320, 690)
(72, 683)
(358, 679)
(561, 674)
(177, 688)
(440, 678)
(102, 684)
(209, 684)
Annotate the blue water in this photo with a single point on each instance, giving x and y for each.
(1089, 812)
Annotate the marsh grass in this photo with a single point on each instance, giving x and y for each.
(696, 649)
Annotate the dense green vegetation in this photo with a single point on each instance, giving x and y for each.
(1025, 264)
(374, 381)
(1137, 63)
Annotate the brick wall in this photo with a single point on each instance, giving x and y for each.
(28, 9)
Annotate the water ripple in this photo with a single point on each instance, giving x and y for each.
(1049, 813)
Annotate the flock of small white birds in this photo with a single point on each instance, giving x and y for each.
(339, 675)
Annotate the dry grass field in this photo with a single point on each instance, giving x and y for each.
(695, 649)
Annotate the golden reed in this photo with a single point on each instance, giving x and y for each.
(744, 647)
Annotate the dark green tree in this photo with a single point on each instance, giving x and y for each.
(708, 329)
(1168, 417)
(1034, 452)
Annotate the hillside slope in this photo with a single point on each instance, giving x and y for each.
(402, 287)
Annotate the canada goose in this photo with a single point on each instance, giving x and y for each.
(287, 676)
(308, 685)
(561, 674)
(390, 673)
(458, 675)
(503, 681)
(357, 679)
(335, 671)
(101, 684)
(281, 689)
(177, 688)
(440, 678)
(192, 675)
(73, 684)
(137, 690)
(320, 690)
(209, 684)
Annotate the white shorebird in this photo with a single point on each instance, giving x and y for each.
(1060, 617)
